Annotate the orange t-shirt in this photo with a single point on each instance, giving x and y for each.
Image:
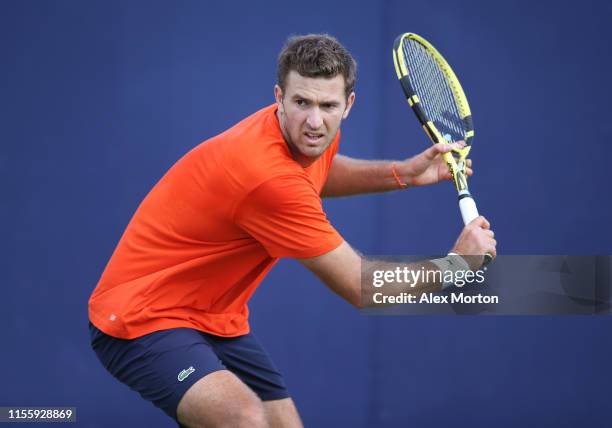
(210, 230)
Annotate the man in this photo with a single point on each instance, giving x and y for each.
(169, 317)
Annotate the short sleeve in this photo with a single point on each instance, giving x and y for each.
(285, 215)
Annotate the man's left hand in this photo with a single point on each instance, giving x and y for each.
(429, 167)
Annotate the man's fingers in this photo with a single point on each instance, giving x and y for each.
(468, 167)
(440, 148)
(492, 251)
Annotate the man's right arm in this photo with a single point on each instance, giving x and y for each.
(341, 268)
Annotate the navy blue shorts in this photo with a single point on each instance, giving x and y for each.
(163, 365)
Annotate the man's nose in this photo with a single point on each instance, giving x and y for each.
(314, 119)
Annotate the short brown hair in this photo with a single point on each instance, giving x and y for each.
(316, 55)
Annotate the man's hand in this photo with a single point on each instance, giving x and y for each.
(429, 167)
(476, 239)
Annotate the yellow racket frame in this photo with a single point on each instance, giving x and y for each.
(456, 163)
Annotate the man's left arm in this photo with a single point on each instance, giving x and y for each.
(349, 176)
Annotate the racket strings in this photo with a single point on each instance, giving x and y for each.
(432, 81)
(434, 91)
(437, 96)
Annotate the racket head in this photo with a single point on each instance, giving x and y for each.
(436, 97)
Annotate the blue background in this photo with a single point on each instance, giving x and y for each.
(98, 99)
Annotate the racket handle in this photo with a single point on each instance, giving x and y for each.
(468, 208)
(469, 212)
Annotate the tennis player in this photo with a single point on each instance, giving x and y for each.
(169, 316)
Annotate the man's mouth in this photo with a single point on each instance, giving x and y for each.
(314, 137)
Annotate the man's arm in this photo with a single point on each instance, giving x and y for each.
(349, 176)
(340, 269)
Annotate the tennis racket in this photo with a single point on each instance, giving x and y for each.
(439, 103)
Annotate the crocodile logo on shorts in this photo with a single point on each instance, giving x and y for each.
(185, 373)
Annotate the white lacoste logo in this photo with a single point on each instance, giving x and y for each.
(185, 373)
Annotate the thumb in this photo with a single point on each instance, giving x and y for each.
(441, 148)
(481, 222)
(437, 149)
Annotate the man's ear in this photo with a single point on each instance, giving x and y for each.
(278, 96)
(349, 103)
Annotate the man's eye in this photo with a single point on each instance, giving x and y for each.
(300, 102)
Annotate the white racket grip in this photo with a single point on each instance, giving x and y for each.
(468, 208)
(469, 212)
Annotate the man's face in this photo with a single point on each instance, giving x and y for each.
(309, 112)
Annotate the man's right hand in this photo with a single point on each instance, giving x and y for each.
(340, 269)
(476, 240)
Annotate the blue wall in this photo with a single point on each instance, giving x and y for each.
(98, 99)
